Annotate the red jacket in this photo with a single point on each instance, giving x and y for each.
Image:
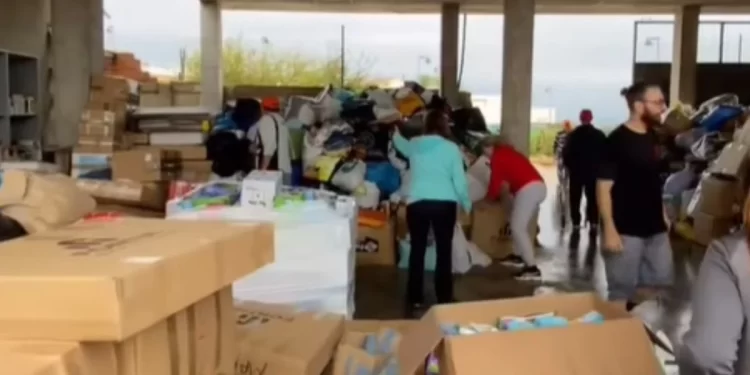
(509, 165)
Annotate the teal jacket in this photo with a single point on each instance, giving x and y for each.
(437, 169)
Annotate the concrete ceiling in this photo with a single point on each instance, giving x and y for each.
(487, 6)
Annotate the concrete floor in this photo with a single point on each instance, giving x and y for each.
(569, 263)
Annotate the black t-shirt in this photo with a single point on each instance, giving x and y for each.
(632, 162)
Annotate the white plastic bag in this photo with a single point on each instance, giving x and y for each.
(477, 190)
(481, 170)
(381, 98)
(466, 254)
(350, 176)
(369, 197)
(397, 162)
(402, 194)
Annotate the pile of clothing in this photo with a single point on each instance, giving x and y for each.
(344, 138)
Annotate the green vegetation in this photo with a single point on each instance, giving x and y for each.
(542, 140)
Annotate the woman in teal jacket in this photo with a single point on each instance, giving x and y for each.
(438, 186)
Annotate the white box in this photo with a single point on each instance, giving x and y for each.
(260, 188)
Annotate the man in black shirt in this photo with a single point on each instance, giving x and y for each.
(581, 155)
(637, 252)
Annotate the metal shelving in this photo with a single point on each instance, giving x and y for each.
(19, 102)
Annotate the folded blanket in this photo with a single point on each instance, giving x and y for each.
(42, 201)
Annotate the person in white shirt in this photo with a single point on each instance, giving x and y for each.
(272, 140)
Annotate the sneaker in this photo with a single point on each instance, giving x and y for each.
(512, 260)
(529, 273)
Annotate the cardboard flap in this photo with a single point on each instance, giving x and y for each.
(580, 349)
(417, 342)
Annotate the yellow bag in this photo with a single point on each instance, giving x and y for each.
(325, 165)
(410, 104)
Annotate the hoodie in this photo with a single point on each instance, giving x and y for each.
(437, 169)
(717, 342)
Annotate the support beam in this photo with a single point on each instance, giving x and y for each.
(518, 56)
(682, 86)
(449, 16)
(69, 82)
(96, 30)
(211, 48)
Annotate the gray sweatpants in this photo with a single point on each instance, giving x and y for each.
(644, 262)
(526, 204)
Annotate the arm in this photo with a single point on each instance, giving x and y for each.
(459, 181)
(566, 150)
(267, 134)
(605, 181)
(497, 176)
(710, 346)
(401, 144)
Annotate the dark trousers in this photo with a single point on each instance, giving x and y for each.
(440, 216)
(578, 186)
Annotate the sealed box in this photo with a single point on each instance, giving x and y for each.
(106, 281)
(260, 188)
(42, 358)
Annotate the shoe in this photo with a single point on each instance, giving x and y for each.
(512, 260)
(529, 273)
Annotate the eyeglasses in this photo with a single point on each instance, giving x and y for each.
(660, 102)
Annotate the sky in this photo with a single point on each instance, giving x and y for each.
(579, 61)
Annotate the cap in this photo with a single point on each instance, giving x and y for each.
(270, 103)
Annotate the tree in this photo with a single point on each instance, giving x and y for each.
(272, 67)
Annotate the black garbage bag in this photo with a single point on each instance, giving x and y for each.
(374, 138)
(359, 112)
(469, 127)
(228, 154)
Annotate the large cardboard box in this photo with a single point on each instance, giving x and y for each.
(578, 349)
(708, 227)
(376, 243)
(145, 165)
(717, 197)
(149, 195)
(42, 358)
(92, 281)
(490, 229)
(277, 340)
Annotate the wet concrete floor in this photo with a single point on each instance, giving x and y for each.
(569, 263)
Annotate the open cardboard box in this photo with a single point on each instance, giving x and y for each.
(42, 358)
(620, 346)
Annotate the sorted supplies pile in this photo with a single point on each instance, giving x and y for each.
(314, 232)
(97, 276)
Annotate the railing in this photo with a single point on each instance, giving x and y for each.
(718, 41)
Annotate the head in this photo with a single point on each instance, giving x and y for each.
(490, 143)
(246, 112)
(567, 126)
(646, 102)
(586, 116)
(271, 104)
(436, 123)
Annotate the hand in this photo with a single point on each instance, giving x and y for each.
(612, 240)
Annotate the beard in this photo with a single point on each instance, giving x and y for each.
(651, 119)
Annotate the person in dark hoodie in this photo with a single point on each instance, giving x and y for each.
(581, 155)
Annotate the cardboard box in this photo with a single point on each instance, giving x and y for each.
(135, 139)
(102, 123)
(277, 340)
(575, 350)
(376, 245)
(731, 161)
(717, 197)
(195, 170)
(490, 229)
(100, 275)
(149, 195)
(42, 358)
(708, 227)
(145, 165)
(197, 153)
(260, 188)
(109, 88)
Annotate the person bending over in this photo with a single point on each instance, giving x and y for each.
(529, 191)
(636, 249)
(438, 184)
(272, 140)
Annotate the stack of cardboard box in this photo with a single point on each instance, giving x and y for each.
(135, 297)
(717, 202)
(124, 64)
(175, 94)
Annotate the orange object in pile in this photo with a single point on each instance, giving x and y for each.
(372, 218)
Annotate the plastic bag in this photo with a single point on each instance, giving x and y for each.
(367, 195)
(350, 175)
(705, 147)
(385, 176)
(466, 254)
(381, 98)
(402, 194)
(477, 190)
(397, 159)
(687, 138)
(679, 181)
(481, 170)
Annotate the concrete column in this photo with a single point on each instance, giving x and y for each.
(682, 83)
(211, 47)
(69, 82)
(449, 52)
(96, 30)
(518, 56)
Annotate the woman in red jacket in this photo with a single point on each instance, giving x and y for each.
(528, 190)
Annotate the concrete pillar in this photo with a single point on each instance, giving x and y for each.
(71, 69)
(449, 16)
(682, 83)
(518, 56)
(211, 47)
(96, 30)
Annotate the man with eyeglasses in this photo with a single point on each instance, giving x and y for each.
(636, 249)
